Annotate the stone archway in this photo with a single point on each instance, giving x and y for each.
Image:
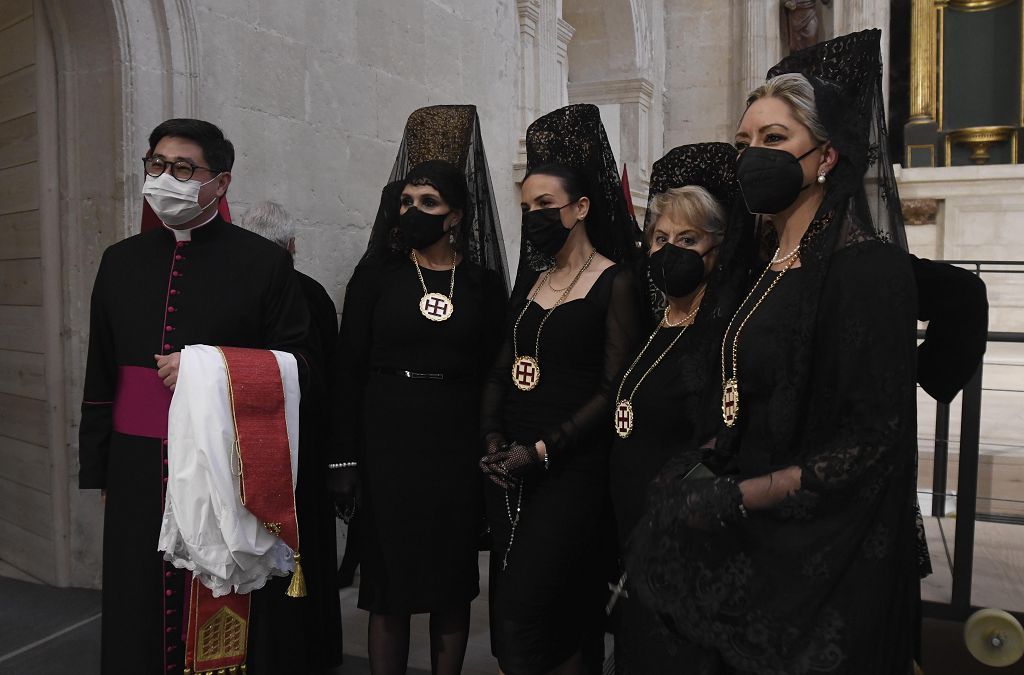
(115, 66)
(612, 64)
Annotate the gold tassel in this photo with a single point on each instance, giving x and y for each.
(297, 588)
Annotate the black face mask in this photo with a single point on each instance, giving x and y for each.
(543, 228)
(770, 179)
(677, 271)
(419, 230)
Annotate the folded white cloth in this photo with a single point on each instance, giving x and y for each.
(205, 527)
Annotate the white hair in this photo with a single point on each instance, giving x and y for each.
(691, 204)
(271, 221)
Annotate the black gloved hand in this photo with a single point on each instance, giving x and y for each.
(507, 466)
(343, 485)
(495, 442)
(490, 466)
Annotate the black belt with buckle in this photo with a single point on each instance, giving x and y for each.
(397, 372)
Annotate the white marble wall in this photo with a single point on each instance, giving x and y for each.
(980, 217)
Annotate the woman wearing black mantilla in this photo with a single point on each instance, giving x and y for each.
(573, 322)
(802, 555)
(421, 324)
(661, 404)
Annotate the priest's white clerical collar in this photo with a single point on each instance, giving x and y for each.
(186, 235)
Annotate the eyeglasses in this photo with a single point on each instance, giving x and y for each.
(182, 170)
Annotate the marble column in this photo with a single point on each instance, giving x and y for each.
(543, 59)
(762, 43)
(856, 15)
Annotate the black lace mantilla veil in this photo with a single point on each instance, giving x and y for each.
(574, 136)
(711, 166)
(450, 133)
(826, 581)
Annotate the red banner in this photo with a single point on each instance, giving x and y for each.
(218, 631)
(218, 627)
(257, 397)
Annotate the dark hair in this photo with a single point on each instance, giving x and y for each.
(444, 177)
(573, 181)
(218, 151)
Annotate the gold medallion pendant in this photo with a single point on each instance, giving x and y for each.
(436, 306)
(624, 418)
(525, 373)
(730, 401)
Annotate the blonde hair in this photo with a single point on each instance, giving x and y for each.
(795, 90)
(691, 204)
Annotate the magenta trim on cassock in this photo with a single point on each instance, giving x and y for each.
(141, 403)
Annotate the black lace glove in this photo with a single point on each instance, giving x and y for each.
(505, 467)
(703, 503)
(494, 443)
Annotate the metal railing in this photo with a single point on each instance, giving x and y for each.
(962, 570)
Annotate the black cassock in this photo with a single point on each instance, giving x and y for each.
(321, 617)
(153, 295)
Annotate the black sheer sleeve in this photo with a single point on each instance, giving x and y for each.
(98, 395)
(492, 328)
(955, 304)
(352, 361)
(862, 402)
(622, 327)
(496, 384)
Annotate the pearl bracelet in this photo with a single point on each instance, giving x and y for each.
(342, 465)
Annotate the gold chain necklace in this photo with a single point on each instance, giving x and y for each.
(435, 306)
(730, 385)
(526, 369)
(622, 417)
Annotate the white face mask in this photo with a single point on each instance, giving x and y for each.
(174, 202)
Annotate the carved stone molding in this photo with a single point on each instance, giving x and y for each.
(920, 211)
(634, 90)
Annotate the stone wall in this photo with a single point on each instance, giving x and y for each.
(315, 96)
(700, 57)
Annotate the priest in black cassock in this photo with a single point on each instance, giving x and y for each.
(321, 615)
(196, 280)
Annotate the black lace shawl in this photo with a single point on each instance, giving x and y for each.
(827, 581)
(450, 133)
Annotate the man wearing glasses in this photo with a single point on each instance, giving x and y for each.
(196, 280)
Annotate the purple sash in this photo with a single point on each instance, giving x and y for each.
(142, 403)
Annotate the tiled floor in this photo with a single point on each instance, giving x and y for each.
(51, 631)
(44, 630)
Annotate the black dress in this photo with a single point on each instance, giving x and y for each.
(321, 618)
(417, 439)
(667, 411)
(826, 581)
(544, 604)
